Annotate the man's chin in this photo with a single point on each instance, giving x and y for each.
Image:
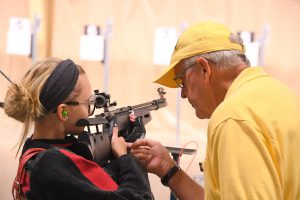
(201, 115)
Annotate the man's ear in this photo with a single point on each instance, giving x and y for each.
(62, 112)
(205, 68)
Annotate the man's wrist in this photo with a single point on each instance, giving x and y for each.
(172, 171)
(165, 166)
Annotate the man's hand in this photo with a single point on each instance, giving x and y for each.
(157, 160)
(153, 155)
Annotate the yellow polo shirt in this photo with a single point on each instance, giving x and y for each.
(253, 149)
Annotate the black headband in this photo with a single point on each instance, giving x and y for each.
(59, 85)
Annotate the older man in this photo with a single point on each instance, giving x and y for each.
(254, 130)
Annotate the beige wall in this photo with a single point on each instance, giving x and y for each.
(130, 56)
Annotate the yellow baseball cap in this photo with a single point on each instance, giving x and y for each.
(198, 39)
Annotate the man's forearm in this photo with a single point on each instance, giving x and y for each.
(185, 188)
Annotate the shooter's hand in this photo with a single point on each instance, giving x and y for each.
(118, 144)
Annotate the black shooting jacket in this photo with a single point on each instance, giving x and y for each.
(66, 170)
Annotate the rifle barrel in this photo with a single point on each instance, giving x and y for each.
(153, 105)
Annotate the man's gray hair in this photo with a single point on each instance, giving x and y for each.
(224, 58)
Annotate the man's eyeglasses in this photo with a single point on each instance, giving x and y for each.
(91, 105)
(178, 78)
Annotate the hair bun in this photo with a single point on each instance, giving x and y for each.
(19, 103)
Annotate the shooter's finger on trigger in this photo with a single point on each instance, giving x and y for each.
(115, 130)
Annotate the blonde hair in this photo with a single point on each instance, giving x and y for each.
(22, 99)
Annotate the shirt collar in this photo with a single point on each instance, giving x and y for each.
(246, 75)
